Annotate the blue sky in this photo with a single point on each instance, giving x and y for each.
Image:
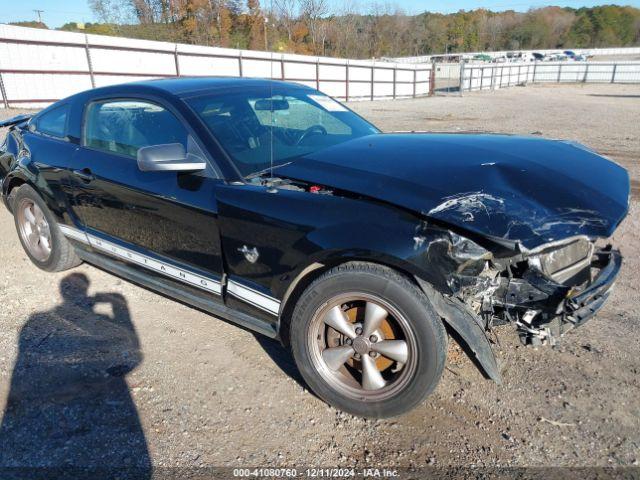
(57, 12)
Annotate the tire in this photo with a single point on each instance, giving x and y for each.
(319, 339)
(11, 198)
(61, 254)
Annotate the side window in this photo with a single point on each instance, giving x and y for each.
(53, 122)
(124, 126)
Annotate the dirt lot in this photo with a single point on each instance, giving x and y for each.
(121, 376)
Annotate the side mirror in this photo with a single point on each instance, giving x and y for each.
(169, 157)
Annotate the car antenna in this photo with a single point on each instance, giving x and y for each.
(266, 45)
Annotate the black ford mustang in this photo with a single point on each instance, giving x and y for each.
(275, 207)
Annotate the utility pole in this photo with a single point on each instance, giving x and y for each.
(266, 42)
(39, 14)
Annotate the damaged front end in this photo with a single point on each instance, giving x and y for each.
(507, 225)
(556, 288)
(545, 292)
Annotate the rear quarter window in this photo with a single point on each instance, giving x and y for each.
(53, 122)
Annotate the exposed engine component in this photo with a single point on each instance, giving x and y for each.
(289, 184)
(544, 293)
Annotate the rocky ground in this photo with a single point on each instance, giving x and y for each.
(117, 375)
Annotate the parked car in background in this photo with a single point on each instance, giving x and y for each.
(482, 57)
(275, 207)
(557, 57)
(519, 57)
(538, 57)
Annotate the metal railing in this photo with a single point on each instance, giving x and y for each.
(494, 76)
(503, 53)
(30, 64)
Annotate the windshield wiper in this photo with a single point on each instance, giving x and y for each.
(266, 170)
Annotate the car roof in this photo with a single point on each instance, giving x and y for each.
(187, 86)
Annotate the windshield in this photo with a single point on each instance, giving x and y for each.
(254, 124)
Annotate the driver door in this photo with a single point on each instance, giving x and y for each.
(164, 222)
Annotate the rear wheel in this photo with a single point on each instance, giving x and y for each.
(39, 234)
(368, 341)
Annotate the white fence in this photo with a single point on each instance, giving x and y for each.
(503, 53)
(494, 76)
(38, 67)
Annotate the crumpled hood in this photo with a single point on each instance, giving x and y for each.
(524, 189)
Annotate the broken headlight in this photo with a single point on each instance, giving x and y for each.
(567, 263)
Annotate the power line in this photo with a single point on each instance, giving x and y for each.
(49, 10)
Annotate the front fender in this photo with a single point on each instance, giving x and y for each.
(455, 314)
(430, 254)
(466, 324)
(402, 241)
(292, 230)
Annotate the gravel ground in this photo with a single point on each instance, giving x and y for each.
(113, 374)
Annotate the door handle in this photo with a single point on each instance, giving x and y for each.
(85, 175)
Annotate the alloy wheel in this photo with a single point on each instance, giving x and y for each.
(362, 346)
(34, 229)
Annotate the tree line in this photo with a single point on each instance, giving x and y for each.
(373, 31)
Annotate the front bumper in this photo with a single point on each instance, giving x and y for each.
(544, 309)
(583, 305)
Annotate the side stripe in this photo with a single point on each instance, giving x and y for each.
(238, 290)
(253, 297)
(74, 233)
(150, 263)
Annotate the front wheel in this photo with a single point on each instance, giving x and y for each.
(368, 341)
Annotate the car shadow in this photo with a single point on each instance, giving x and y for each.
(282, 357)
(69, 405)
